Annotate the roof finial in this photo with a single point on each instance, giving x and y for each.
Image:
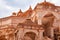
(20, 11)
(30, 8)
(44, 0)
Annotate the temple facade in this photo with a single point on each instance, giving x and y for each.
(40, 23)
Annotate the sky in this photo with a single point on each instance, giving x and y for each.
(7, 7)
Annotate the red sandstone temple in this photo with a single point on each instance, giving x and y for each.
(40, 23)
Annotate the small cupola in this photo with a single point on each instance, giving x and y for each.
(13, 14)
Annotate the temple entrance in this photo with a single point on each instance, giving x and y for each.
(29, 36)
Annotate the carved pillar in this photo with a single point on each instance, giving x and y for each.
(20, 34)
(39, 21)
(40, 34)
(52, 32)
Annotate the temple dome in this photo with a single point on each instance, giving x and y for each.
(13, 14)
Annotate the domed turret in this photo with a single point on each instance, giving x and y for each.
(13, 14)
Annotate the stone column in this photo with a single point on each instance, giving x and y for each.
(20, 34)
(39, 21)
(40, 34)
(52, 33)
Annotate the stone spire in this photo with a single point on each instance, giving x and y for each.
(19, 13)
(44, 0)
(30, 8)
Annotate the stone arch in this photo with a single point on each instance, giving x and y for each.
(47, 21)
(31, 30)
(22, 32)
(30, 35)
(48, 18)
(50, 12)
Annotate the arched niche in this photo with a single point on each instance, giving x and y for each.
(29, 36)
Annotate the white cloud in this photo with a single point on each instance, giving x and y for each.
(9, 6)
(6, 10)
(56, 2)
(3, 4)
